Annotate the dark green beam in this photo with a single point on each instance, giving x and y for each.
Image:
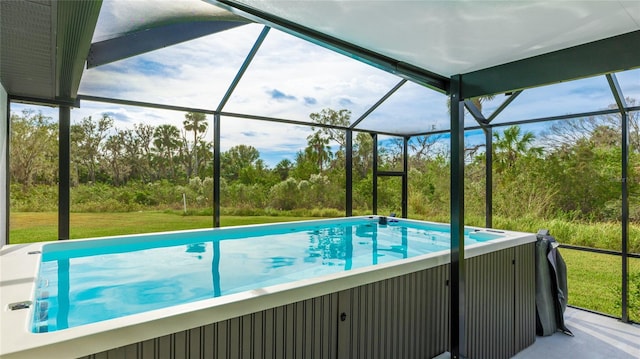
(617, 93)
(613, 54)
(488, 185)
(405, 177)
(146, 40)
(504, 105)
(349, 174)
(457, 324)
(374, 180)
(243, 68)
(64, 168)
(625, 217)
(377, 104)
(475, 112)
(216, 170)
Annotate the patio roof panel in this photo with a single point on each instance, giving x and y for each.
(480, 38)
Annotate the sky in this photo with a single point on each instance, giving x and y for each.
(290, 79)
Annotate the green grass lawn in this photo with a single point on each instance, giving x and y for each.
(595, 282)
(594, 279)
(29, 227)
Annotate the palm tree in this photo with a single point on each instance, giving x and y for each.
(283, 168)
(196, 122)
(512, 144)
(319, 149)
(334, 118)
(166, 140)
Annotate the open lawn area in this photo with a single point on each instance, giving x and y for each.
(43, 226)
(595, 282)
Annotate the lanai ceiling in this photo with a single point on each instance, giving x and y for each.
(496, 46)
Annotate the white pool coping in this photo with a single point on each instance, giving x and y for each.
(19, 270)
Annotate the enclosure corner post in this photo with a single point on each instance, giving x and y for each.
(349, 174)
(457, 267)
(625, 217)
(624, 184)
(374, 176)
(488, 166)
(64, 167)
(405, 177)
(216, 170)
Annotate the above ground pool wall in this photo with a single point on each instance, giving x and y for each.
(400, 317)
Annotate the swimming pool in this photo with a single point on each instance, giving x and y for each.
(88, 290)
(100, 280)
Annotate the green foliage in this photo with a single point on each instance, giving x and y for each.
(35, 198)
(576, 179)
(33, 149)
(286, 194)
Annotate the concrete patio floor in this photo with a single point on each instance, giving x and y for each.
(596, 336)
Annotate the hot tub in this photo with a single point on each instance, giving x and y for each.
(358, 287)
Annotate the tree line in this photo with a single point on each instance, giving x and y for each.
(572, 170)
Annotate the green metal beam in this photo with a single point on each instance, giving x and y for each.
(140, 42)
(457, 324)
(488, 177)
(216, 170)
(349, 174)
(377, 104)
(405, 177)
(613, 54)
(617, 93)
(374, 180)
(64, 172)
(504, 105)
(243, 68)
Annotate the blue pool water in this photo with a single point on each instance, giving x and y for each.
(83, 282)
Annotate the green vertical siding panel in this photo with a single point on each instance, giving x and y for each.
(525, 291)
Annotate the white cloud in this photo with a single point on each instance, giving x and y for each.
(291, 78)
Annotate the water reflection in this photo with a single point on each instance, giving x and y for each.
(62, 319)
(330, 244)
(215, 268)
(401, 248)
(140, 280)
(197, 248)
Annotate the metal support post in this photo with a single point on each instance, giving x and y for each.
(488, 165)
(349, 175)
(64, 167)
(216, 170)
(374, 178)
(457, 267)
(405, 177)
(625, 217)
(624, 117)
